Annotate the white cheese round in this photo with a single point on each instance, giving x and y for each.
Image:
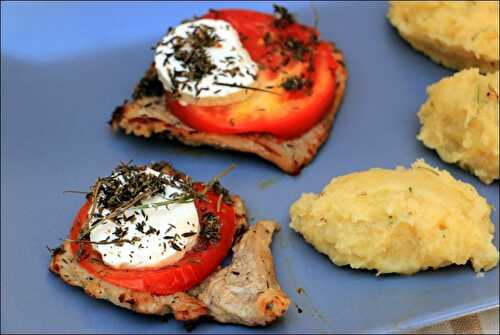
(231, 63)
(161, 235)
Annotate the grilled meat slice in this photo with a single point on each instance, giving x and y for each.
(247, 291)
(182, 305)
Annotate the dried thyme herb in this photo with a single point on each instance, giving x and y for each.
(115, 241)
(297, 49)
(295, 83)
(210, 228)
(75, 192)
(219, 202)
(125, 188)
(282, 18)
(190, 51)
(148, 87)
(180, 199)
(216, 179)
(188, 234)
(219, 189)
(428, 169)
(128, 186)
(246, 87)
(128, 182)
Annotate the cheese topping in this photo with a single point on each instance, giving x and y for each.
(152, 237)
(204, 59)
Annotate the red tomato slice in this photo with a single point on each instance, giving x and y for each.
(194, 267)
(286, 114)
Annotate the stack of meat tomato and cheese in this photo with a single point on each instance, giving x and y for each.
(148, 238)
(244, 81)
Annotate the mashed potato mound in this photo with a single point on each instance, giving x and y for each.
(398, 221)
(457, 34)
(460, 121)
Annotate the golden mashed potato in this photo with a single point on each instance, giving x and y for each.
(460, 121)
(458, 34)
(398, 221)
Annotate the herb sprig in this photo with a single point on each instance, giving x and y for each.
(246, 87)
(115, 241)
(217, 177)
(179, 199)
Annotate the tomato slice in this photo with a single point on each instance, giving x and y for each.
(285, 114)
(194, 267)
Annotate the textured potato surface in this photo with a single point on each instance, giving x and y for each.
(460, 121)
(398, 221)
(457, 34)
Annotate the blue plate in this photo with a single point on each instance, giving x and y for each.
(64, 69)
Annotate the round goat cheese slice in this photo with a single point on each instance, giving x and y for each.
(147, 236)
(204, 59)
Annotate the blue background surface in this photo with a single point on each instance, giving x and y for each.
(64, 69)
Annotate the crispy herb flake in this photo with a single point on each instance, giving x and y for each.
(295, 83)
(188, 234)
(282, 18)
(296, 48)
(149, 87)
(210, 227)
(175, 246)
(128, 186)
(191, 52)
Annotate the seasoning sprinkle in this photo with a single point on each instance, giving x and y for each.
(246, 87)
(127, 187)
(282, 18)
(210, 230)
(188, 234)
(296, 48)
(295, 83)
